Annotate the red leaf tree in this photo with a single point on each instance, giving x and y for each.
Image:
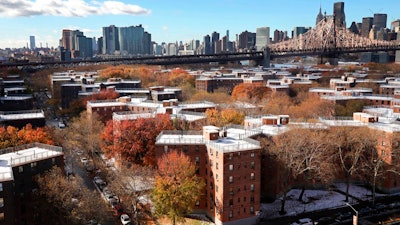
(134, 140)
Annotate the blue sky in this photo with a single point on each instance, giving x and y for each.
(169, 21)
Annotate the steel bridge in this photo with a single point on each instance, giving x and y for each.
(325, 40)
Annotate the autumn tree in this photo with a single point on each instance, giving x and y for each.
(134, 140)
(250, 92)
(83, 133)
(66, 200)
(176, 186)
(11, 136)
(132, 183)
(224, 117)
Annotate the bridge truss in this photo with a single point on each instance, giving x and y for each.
(325, 38)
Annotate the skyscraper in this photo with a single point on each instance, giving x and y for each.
(338, 13)
(110, 39)
(380, 20)
(32, 42)
(366, 26)
(207, 45)
(214, 41)
(262, 38)
(319, 16)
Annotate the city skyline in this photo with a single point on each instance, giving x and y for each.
(167, 21)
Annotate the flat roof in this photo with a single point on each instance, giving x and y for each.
(21, 157)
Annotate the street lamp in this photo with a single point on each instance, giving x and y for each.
(355, 217)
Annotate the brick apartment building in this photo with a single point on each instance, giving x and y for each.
(18, 167)
(229, 163)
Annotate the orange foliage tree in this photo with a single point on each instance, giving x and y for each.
(176, 188)
(11, 136)
(224, 117)
(134, 140)
(250, 92)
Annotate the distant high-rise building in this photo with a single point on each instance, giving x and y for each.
(131, 40)
(367, 23)
(214, 41)
(338, 13)
(380, 20)
(84, 47)
(247, 40)
(395, 26)
(32, 42)
(207, 45)
(262, 38)
(353, 28)
(172, 49)
(110, 39)
(299, 30)
(319, 16)
(73, 41)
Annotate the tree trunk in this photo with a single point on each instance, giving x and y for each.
(303, 189)
(347, 188)
(282, 211)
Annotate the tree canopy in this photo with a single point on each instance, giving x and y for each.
(11, 136)
(134, 140)
(176, 186)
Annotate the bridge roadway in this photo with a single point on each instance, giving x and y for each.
(259, 56)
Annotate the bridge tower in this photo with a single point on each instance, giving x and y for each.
(266, 63)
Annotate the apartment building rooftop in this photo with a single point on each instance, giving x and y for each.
(19, 155)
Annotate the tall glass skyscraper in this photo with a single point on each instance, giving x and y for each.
(262, 38)
(338, 12)
(32, 42)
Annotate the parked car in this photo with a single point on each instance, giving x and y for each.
(118, 210)
(84, 160)
(125, 219)
(343, 216)
(324, 220)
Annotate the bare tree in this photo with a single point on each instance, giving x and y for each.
(350, 145)
(303, 157)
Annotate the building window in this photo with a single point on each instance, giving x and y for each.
(239, 200)
(230, 179)
(216, 176)
(211, 162)
(197, 159)
(53, 160)
(1, 202)
(185, 149)
(196, 148)
(251, 209)
(33, 165)
(165, 148)
(253, 165)
(231, 201)
(1, 186)
(216, 165)
(251, 187)
(21, 169)
(231, 191)
(251, 198)
(2, 217)
(211, 151)
(231, 167)
(252, 176)
(197, 203)
(230, 214)
(230, 155)
(252, 154)
(216, 154)
(216, 188)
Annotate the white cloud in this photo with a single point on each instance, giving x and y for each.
(165, 28)
(67, 8)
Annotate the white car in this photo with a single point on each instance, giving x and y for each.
(125, 219)
(84, 160)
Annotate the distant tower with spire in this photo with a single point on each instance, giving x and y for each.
(319, 16)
